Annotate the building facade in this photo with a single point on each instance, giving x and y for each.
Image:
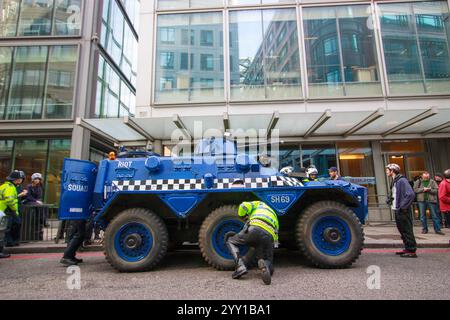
(61, 60)
(352, 84)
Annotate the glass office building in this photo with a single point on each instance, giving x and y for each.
(352, 84)
(61, 60)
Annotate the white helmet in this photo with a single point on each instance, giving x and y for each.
(287, 170)
(312, 171)
(36, 176)
(394, 167)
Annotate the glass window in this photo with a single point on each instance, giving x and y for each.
(402, 146)
(35, 18)
(67, 18)
(321, 156)
(31, 156)
(258, 70)
(175, 82)
(28, 83)
(183, 4)
(5, 76)
(58, 150)
(61, 81)
(115, 98)
(356, 166)
(6, 148)
(9, 11)
(341, 52)
(36, 76)
(416, 39)
(119, 40)
(289, 156)
(256, 2)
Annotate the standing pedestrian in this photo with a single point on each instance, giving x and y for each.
(35, 190)
(78, 228)
(401, 199)
(426, 190)
(444, 197)
(438, 177)
(9, 204)
(333, 172)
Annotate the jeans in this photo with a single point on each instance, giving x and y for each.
(423, 215)
(404, 221)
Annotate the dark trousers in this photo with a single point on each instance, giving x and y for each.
(257, 238)
(404, 221)
(13, 230)
(447, 219)
(78, 232)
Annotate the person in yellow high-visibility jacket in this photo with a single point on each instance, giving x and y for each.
(260, 232)
(9, 203)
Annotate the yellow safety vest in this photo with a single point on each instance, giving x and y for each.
(261, 215)
(8, 197)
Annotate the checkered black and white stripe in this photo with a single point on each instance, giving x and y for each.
(198, 184)
(281, 181)
(159, 185)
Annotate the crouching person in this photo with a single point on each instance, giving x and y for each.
(261, 233)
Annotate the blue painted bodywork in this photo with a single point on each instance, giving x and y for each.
(204, 174)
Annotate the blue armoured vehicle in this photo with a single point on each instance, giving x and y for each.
(147, 204)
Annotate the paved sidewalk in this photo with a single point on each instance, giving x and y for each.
(378, 235)
(385, 235)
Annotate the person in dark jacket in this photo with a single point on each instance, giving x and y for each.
(401, 198)
(333, 172)
(426, 190)
(35, 190)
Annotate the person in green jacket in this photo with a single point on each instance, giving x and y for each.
(9, 203)
(260, 232)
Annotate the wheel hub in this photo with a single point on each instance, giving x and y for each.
(133, 241)
(332, 235)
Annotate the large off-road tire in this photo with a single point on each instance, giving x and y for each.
(330, 235)
(216, 228)
(136, 240)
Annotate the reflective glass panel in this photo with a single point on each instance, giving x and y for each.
(67, 18)
(61, 81)
(416, 46)
(341, 52)
(5, 71)
(9, 14)
(35, 18)
(28, 83)
(183, 4)
(58, 150)
(322, 157)
(189, 65)
(6, 148)
(264, 55)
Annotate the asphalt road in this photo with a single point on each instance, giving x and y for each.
(184, 275)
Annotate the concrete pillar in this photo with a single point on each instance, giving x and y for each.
(80, 143)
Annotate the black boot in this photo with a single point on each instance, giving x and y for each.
(265, 272)
(241, 269)
(4, 255)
